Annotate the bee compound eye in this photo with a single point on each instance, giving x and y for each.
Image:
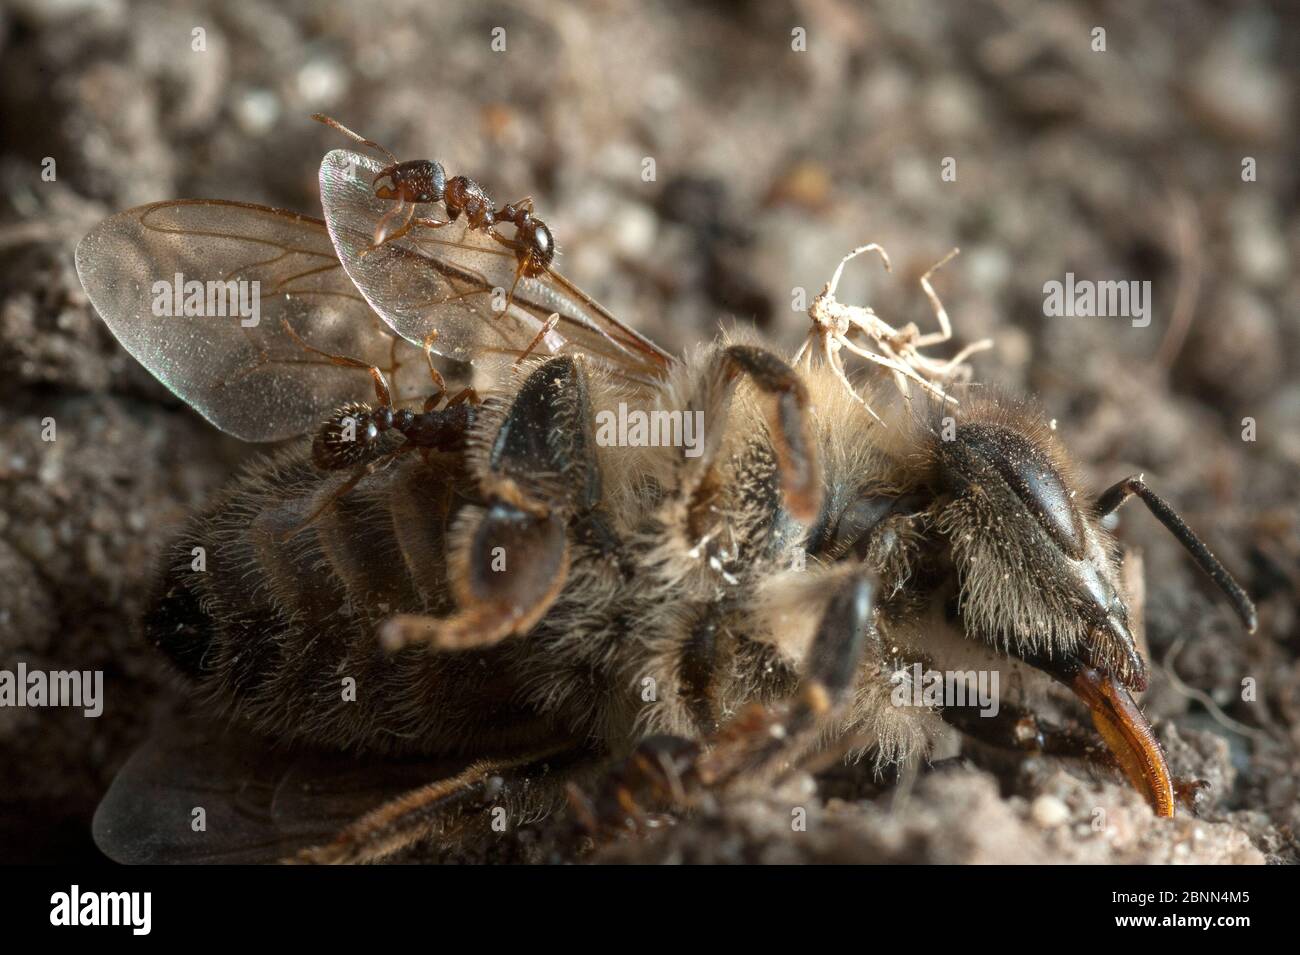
(1029, 473)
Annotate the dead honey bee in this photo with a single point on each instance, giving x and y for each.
(617, 580)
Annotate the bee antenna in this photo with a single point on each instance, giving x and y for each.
(1113, 497)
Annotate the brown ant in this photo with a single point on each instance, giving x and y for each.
(352, 436)
(419, 181)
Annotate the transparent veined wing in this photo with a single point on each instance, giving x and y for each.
(198, 292)
(262, 803)
(453, 280)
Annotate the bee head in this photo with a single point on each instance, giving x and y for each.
(1037, 574)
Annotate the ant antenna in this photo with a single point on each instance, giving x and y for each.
(357, 137)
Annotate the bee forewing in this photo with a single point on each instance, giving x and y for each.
(456, 281)
(161, 278)
(259, 803)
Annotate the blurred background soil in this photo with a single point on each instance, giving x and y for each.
(770, 164)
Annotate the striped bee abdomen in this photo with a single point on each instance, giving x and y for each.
(276, 621)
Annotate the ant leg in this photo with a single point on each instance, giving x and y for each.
(465, 394)
(460, 397)
(357, 476)
(1113, 497)
(541, 333)
(510, 559)
(522, 269)
(382, 393)
(410, 224)
(519, 273)
(439, 383)
(522, 205)
(514, 245)
(382, 235)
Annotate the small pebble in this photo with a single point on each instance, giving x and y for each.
(1048, 812)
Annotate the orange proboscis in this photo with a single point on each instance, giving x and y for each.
(1127, 732)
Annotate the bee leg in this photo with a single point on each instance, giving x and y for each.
(504, 578)
(1113, 497)
(543, 456)
(760, 743)
(1016, 728)
(660, 772)
(785, 403)
(448, 806)
(510, 558)
(766, 739)
(406, 820)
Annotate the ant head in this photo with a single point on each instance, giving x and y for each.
(416, 181)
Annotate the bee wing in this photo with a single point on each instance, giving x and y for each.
(258, 804)
(234, 363)
(448, 280)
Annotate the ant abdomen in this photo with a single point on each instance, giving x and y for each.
(533, 236)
